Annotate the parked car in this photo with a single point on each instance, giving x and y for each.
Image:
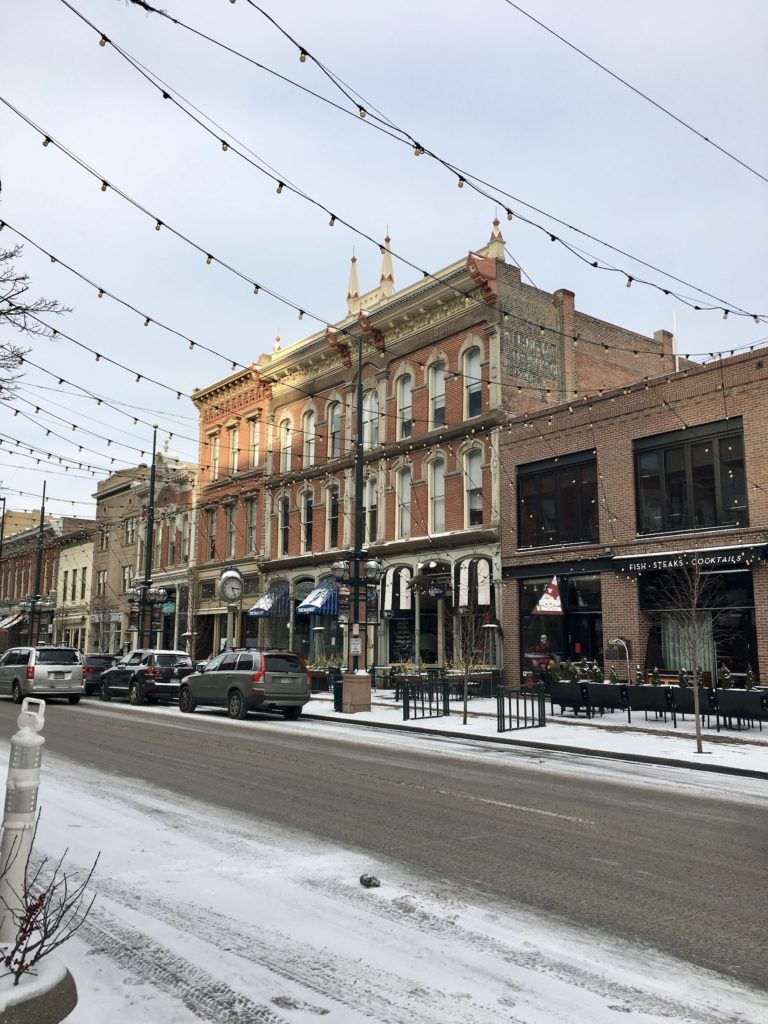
(93, 666)
(248, 680)
(146, 676)
(42, 671)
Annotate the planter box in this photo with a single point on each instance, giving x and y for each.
(355, 693)
(45, 998)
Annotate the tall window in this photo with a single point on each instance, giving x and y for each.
(158, 555)
(283, 513)
(334, 430)
(210, 523)
(185, 538)
(284, 434)
(404, 407)
(73, 592)
(403, 499)
(104, 538)
(692, 479)
(129, 530)
(308, 427)
(306, 521)
(473, 387)
(557, 501)
(250, 524)
(101, 583)
(213, 446)
(65, 588)
(370, 502)
(127, 577)
(234, 450)
(231, 531)
(172, 542)
(83, 582)
(370, 419)
(254, 441)
(473, 484)
(437, 396)
(332, 517)
(437, 495)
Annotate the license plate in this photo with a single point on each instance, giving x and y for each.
(57, 675)
(286, 680)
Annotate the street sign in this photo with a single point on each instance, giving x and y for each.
(355, 645)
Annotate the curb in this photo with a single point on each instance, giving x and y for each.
(664, 762)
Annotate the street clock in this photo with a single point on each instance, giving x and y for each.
(230, 585)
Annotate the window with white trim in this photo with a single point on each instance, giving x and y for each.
(213, 447)
(332, 517)
(334, 430)
(473, 386)
(437, 395)
(283, 525)
(370, 502)
(309, 433)
(231, 530)
(473, 487)
(250, 524)
(404, 407)
(307, 513)
(234, 450)
(254, 441)
(284, 435)
(403, 499)
(437, 495)
(370, 419)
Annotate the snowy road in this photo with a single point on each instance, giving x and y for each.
(207, 915)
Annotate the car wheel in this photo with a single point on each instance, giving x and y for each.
(18, 696)
(186, 701)
(74, 699)
(236, 705)
(104, 693)
(291, 713)
(135, 696)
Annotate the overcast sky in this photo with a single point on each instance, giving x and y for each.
(477, 83)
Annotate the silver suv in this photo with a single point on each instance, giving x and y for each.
(243, 681)
(42, 671)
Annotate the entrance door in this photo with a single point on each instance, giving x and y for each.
(585, 637)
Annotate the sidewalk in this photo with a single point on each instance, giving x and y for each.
(609, 736)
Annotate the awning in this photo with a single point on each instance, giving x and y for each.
(322, 600)
(474, 574)
(11, 620)
(403, 574)
(273, 604)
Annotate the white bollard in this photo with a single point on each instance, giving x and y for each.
(20, 811)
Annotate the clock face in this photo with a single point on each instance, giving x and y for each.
(231, 588)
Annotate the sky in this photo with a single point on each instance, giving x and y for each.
(480, 85)
(199, 915)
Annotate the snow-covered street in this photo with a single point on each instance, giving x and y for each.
(206, 915)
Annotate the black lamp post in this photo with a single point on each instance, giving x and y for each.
(142, 590)
(372, 569)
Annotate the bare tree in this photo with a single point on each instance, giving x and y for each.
(20, 312)
(469, 647)
(688, 602)
(53, 905)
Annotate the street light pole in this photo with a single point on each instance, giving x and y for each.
(144, 601)
(358, 506)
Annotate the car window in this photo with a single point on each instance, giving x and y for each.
(282, 663)
(213, 664)
(183, 660)
(99, 660)
(58, 656)
(166, 660)
(227, 663)
(134, 659)
(245, 663)
(7, 658)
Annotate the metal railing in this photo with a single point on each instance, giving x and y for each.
(520, 709)
(426, 699)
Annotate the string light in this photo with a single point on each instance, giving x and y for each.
(224, 146)
(280, 187)
(332, 221)
(417, 150)
(725, 314)
(158, 225)
(46, 141)
(147, 322)
(629, 282)
(301, 314)
(101, 293)
(460, 182)
(302, 55)
(209, 258)
(509, 215)
(255, 289)
(191, 345)
(103, 41)
(138, 377)
(362, 111)
(104, 186)
(98, 356)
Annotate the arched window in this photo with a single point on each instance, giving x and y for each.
(403, 499)
(308, 427)
(370, 502)
(332, 517)
(370, 419)
(473, 386)
(283, 513)
(307, 511)
(473, 487)
(284, 435)
(334, 430)
(213, 455)
(234, 450)
(437, 396)
(437, 495)
(404, 406)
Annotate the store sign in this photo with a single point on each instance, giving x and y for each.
(706, 559)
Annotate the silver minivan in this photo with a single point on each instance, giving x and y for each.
(243, 681)
(42, 671)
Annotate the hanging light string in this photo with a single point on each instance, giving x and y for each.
(28, 387)
(638, 92)
(227, 145)
(41, 469)
(16, 444)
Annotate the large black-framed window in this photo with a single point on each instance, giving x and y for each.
(557, 501)
(692, 479)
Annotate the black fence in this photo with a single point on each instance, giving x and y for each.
(427, 698)
(520, 709)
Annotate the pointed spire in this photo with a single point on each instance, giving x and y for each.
(495, 247)
(387, 275)
(353, 290)
(276, 346)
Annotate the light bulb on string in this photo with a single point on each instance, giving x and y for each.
(209, 258)
(332, 221)
(280, 187)
(224, 146)
(103, 41)
(104, 186)
(460, 182)
(302, 56)
(147, 322)
(191, 345)
(509, 215)
(46, 141)
(158, 225)
(101, 293)
(417, 150)
(301, 314)
(255, 289)
(629, 282)
(362, 111)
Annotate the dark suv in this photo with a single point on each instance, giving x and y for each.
(146, 676)
(93, 666)
(243, 681)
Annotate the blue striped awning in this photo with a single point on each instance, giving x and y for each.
(273, 604)
(322, 601)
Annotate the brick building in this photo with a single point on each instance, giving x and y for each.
(445, 363)
(628, 502)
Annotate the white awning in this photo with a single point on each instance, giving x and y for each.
(404, 579)
(11, 620)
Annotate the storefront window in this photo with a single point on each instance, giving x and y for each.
(557, 503)
(574, 634)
